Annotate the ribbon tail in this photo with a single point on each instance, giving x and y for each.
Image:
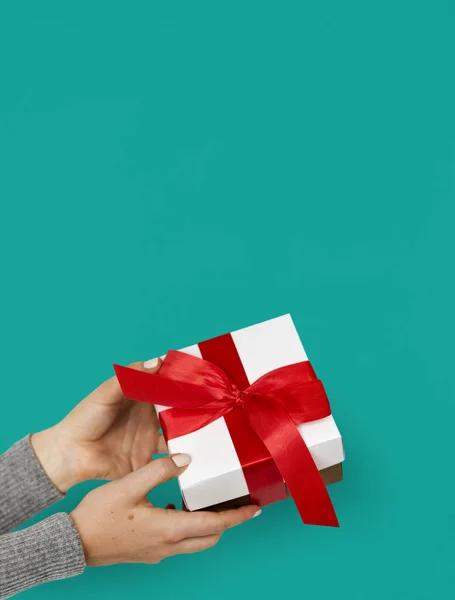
(291, 455)
(262, 476)
(156, 389)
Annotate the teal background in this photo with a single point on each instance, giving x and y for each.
(170, 171)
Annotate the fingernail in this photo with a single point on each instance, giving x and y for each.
(181, 460)
(151, 364)
(256, 514)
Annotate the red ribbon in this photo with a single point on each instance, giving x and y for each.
(261, 418)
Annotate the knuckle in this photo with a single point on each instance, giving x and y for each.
(171, 538)
(214, 541)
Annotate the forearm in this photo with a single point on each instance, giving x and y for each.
(25, 488)
(46, 551)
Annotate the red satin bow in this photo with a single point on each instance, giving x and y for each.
(198, 392)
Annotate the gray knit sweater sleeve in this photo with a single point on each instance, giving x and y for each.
(49, 550)
(25, 489)
(46, 551)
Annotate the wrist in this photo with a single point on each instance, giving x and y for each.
(57, 458)
(98, 550)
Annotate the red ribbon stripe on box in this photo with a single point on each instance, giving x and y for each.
(261, 418)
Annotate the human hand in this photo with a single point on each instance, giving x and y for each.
(117, 524)
(105, 436)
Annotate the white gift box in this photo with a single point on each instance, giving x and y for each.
(215, 474)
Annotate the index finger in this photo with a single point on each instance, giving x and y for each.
(197, 524)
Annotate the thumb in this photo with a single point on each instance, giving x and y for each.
(109, 393)
(140, 482)
(149, 366)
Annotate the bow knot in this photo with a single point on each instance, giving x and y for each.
(239, 396)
